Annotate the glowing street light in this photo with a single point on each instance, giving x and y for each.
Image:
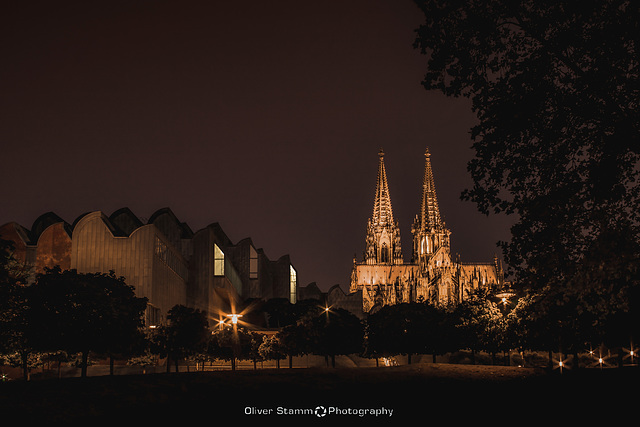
(234, 318)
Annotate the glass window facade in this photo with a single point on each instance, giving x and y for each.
(253, 263)
(293, 284)
(218, 261)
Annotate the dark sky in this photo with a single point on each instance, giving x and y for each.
(263, 116)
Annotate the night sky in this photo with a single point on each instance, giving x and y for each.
(263, 116)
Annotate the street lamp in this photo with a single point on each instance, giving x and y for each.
(235, 339)
(234, 318)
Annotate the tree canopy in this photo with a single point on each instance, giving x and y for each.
(83, 312)
(555, 88)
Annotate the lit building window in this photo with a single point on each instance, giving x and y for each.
(293, 283)
(253, 263)
(218, 261)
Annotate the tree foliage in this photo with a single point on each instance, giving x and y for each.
(186, 334)
(83, 312)
(15, 329)
(555, 89)
(335, 332)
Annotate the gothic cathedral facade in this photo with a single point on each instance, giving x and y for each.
(432, 275)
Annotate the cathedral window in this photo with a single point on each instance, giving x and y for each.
(218, 261)
(384, 253)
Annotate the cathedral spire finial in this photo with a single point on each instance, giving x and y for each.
(429, 231)
(382, 211)
(429, 209)
(383, 234)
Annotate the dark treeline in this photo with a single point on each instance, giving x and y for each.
(66, 313)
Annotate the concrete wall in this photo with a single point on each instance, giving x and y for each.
(53, 248)
(137, 257)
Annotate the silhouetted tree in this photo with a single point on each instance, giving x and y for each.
(16, 326)
(295, 339)
(280, 312)
(335, 332)
(234, 343)
(83, 312)
(220, 345)
(410, 328)
(253, 348)
(186, 334)
(272, 349)
(555, 88)
(480, 325)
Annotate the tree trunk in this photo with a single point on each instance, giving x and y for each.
(25, 365)
(85, 361)
(168, 365)
(177, 363)
(433, 357)
(111, 365)
(333, 360)
(408, 358)
(290, 361)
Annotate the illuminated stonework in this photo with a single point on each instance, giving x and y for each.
(432, 275)
(383, 233)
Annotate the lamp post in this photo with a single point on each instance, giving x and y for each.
(235, 339)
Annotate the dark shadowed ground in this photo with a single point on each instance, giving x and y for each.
(419, 392)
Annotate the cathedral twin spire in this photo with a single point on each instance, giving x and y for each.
(382, 211)
(429, 216)
(383, 232)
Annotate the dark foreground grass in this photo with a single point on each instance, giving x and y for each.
(423, 392)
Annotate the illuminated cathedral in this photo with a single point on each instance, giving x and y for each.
(433, 275)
